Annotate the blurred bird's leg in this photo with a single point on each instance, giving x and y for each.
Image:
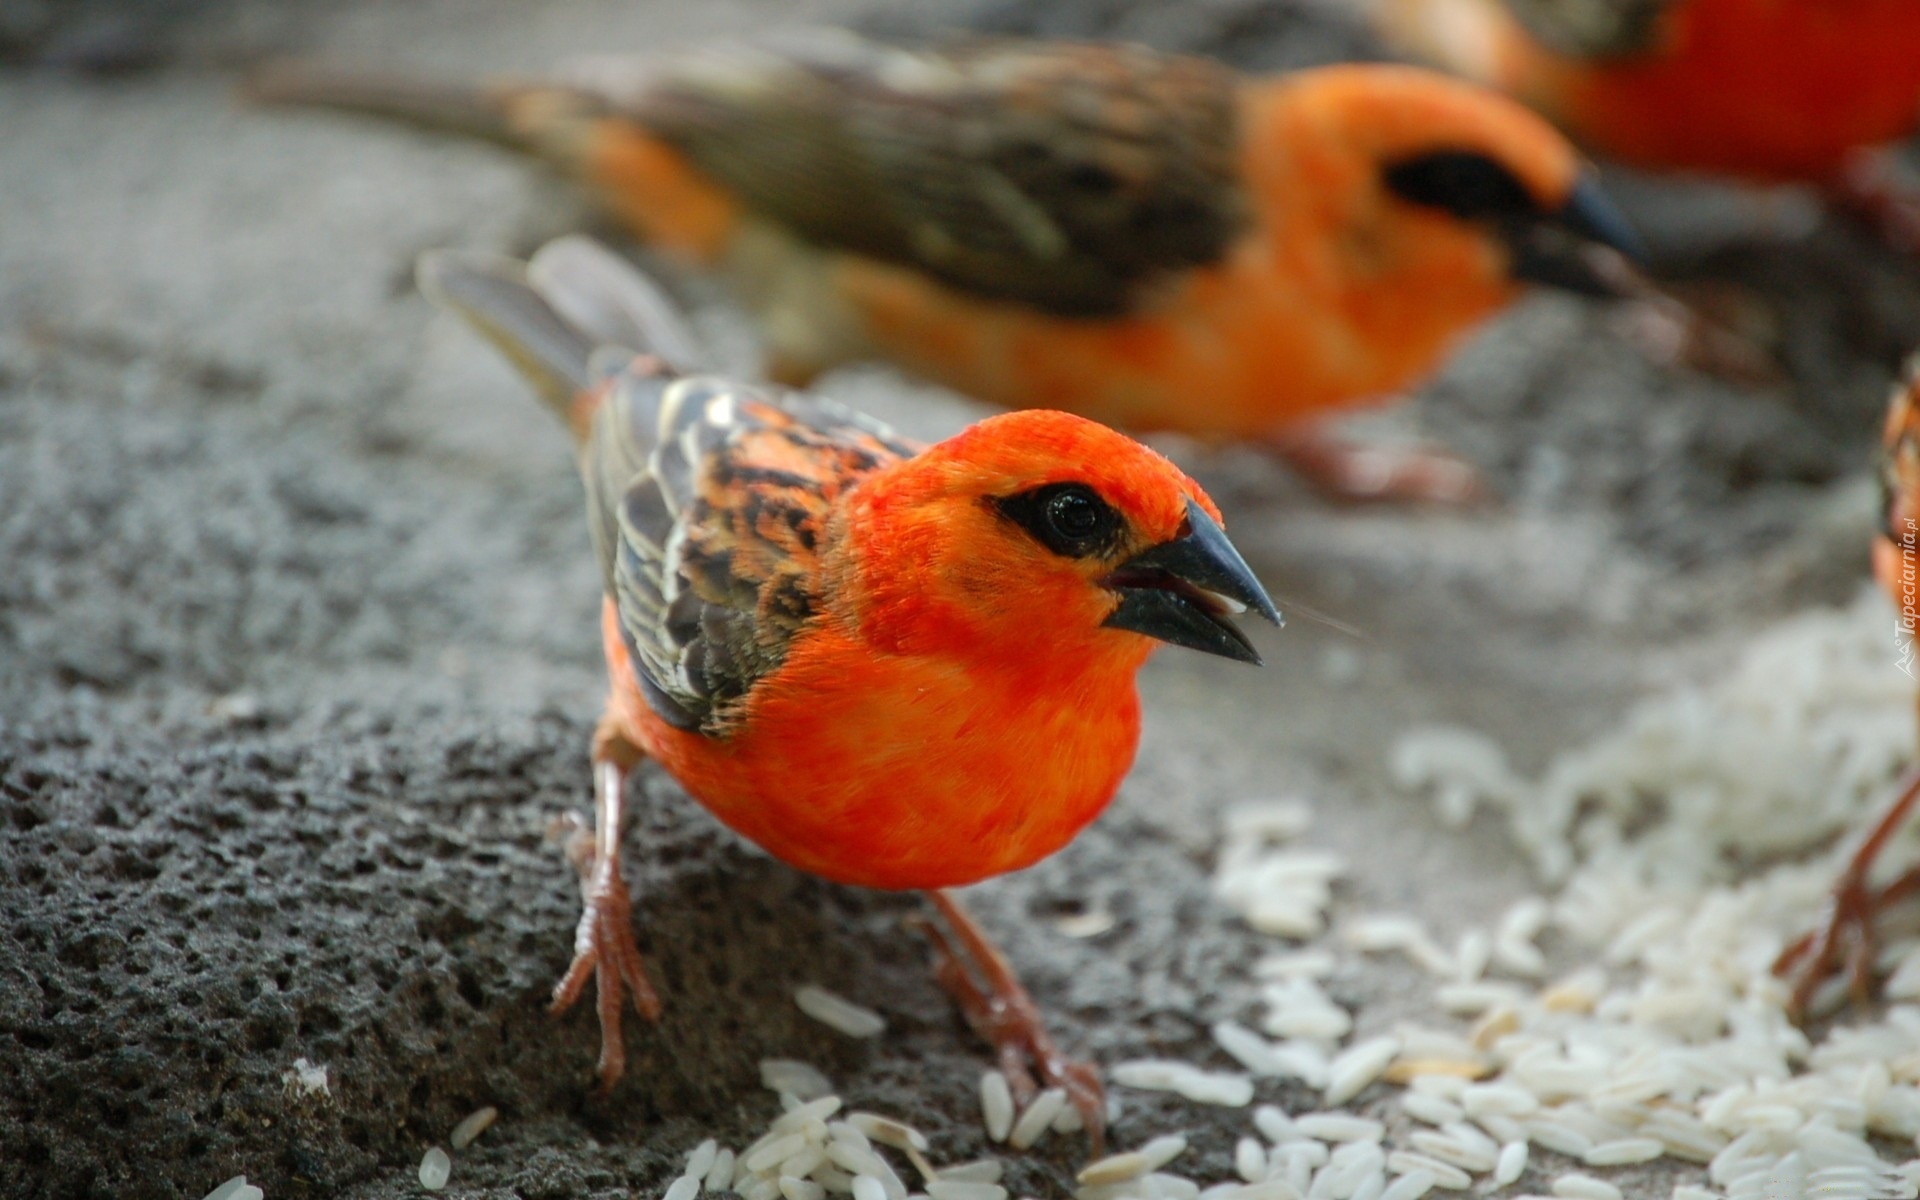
(1719, 331)
(1873, 189)
(1847, 937)
(603, 946)
(1347, 470)
(972, 968)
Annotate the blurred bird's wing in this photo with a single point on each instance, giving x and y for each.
(1594, 29)
(708, 500)
(1060, 176)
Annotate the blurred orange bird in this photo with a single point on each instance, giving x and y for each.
(1770, 91)
(1151, 241)
(1847, 940)
(889, 665)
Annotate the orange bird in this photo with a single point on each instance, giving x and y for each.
(1847, 940)
(1151, 241)
(1765, 90)
(889, 665)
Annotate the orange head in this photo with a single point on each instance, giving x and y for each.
(1404, 181)
(1047, 540)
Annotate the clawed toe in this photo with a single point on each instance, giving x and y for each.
(992, 999)
(603, 946)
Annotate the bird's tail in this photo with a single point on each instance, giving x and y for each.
(566, 319)
(547, 120)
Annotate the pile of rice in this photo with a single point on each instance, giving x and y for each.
(1689, 847)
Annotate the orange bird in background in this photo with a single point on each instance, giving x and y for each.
(1847, 940)
(1770, 91)
(1151, 241)
(889, 665)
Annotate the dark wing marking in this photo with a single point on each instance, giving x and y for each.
(1593, 28)
(1062, 176)
(708, 502)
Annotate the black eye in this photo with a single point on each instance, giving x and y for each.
(1069, 519)
(1468, 185)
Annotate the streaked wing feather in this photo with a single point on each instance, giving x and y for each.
(1067, 177)
(708, 501)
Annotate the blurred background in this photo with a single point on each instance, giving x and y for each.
(298, 654)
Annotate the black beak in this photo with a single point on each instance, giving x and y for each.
(1183, 592)
(1567, 249)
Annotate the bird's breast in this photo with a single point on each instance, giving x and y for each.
(897, 771)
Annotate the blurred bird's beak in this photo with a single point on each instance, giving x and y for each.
(1578, 248)
(1184, 592)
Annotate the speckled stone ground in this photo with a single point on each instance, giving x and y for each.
(297, 657)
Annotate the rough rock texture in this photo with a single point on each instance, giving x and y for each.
(297, 658)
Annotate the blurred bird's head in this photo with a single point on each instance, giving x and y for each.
(1412, 180)
(1047, 540)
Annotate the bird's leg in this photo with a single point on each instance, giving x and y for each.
(1846, 939)
(972, 968)
(1872, 189)
(1346, 470)
(603, 946)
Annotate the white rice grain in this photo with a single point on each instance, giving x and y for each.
(1621, 1151)
(837, 1012)
(794, 1188)
(687, 1187)
(1357, 1067)
(436, 1168)
(1445, 1175)
(1411, 1186)
(1339, 1127)
(720, 1175)
(1038, 1118)
(1432, 1109)
(794, 1078)
(230, 1190)
(472, 1126)
(1512, 1163)
(700, 1159)
(1114, 1168)
(1250, 1159)
(941, 1189)
(889, 1132)
(866, 1187)
(1576, 1186)
(979, 1170)
(996, 1105)
(1202, 1087)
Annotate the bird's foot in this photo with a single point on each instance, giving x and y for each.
(604, 950)
(1845, 941)
(603, 945)
(1344, 470)
(1872, 189)
(999, 1008)
(1725, 334)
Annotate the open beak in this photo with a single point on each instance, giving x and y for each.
(1185, 591)
(1568, 249)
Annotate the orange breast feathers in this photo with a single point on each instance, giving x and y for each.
(1338, 294)
(892, 772)
(1770, 90)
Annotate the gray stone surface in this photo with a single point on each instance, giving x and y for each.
(297, 653)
